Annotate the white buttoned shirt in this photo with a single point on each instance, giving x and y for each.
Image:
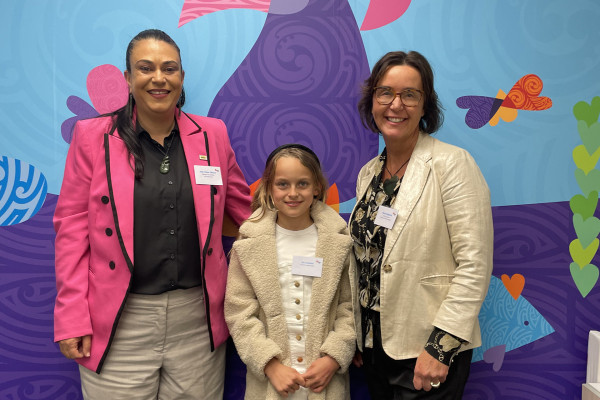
(295, 292)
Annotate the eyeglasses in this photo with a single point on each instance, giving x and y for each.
(409, 97)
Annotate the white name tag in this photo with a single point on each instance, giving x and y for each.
(308, 266)
(207, 175)
(386, 217)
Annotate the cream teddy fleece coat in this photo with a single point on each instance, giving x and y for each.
(254, 309)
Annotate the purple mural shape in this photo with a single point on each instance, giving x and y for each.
(31, 366)
(532, 240)
(301, 83)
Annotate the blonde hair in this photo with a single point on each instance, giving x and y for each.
(262, 195)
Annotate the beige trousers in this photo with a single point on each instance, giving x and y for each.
(161, 350)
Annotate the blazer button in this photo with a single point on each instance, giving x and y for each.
(298, 317)
(105, 199)
(209, 252)
(300, 359)
(111, 265)
(298, 337)
(108, 232)
(297, 301)
(296, 283)
(387, 268)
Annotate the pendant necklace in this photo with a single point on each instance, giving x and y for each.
(390, 184)
(165, 163)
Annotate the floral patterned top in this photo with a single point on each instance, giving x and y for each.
(369, 243)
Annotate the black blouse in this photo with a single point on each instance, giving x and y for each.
(166, 245)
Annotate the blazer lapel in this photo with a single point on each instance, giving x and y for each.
(417, 171)
(194, 147)
(121, 179)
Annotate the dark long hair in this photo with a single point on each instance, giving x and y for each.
(433, 117)
(123, 117)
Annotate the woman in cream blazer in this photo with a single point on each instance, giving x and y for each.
(423, 241)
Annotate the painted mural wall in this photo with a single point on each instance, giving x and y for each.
(520, 83)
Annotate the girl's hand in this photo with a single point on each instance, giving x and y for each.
(284, 379)
(428, 370)
(320, 372)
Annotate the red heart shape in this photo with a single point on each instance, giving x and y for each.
(524, 95)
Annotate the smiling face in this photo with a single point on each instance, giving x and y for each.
(395, 121)
(292, 192)
(156, 78)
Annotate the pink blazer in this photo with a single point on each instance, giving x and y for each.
(94, 263)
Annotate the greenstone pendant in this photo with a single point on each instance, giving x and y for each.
(164, 165)
(389, 185)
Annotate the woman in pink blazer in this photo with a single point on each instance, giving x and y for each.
(140, 268)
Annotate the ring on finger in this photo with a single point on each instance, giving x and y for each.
(435, 385)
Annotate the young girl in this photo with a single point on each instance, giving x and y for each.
(289, 298)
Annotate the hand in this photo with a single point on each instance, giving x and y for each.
(357, 359)
(285, 380)
(320, 372)
(427, 370)
(78, 347)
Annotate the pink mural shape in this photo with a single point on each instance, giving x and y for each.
(108, 92)
(107, 88)
(383, 12)
(193, 9)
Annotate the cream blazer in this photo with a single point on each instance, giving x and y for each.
(437, 260)
(254, 308)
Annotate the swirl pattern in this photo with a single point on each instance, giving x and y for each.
(22, 191)
(301, 83)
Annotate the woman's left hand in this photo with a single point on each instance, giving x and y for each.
(428, 370)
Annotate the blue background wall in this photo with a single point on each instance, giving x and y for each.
(535, 334)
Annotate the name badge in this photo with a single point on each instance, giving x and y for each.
(207, 175)
(308, 266)
(386, 217)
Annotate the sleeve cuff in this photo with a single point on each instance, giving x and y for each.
(443, 346)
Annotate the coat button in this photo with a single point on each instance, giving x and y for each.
(298, 337)
(108, 232)
(111, 265)
(387, 268)
(297, 301)
(296, 283)
(105, 199)
(300, 359)
(298, 317)
(209, 252)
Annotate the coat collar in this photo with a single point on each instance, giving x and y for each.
(258, 256)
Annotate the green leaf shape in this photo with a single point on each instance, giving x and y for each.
(581, 255)
(590, 135)
(586, 229)
(584, 160)
(588, 182)
(585, 278)
(584, 206)
(587, 112)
